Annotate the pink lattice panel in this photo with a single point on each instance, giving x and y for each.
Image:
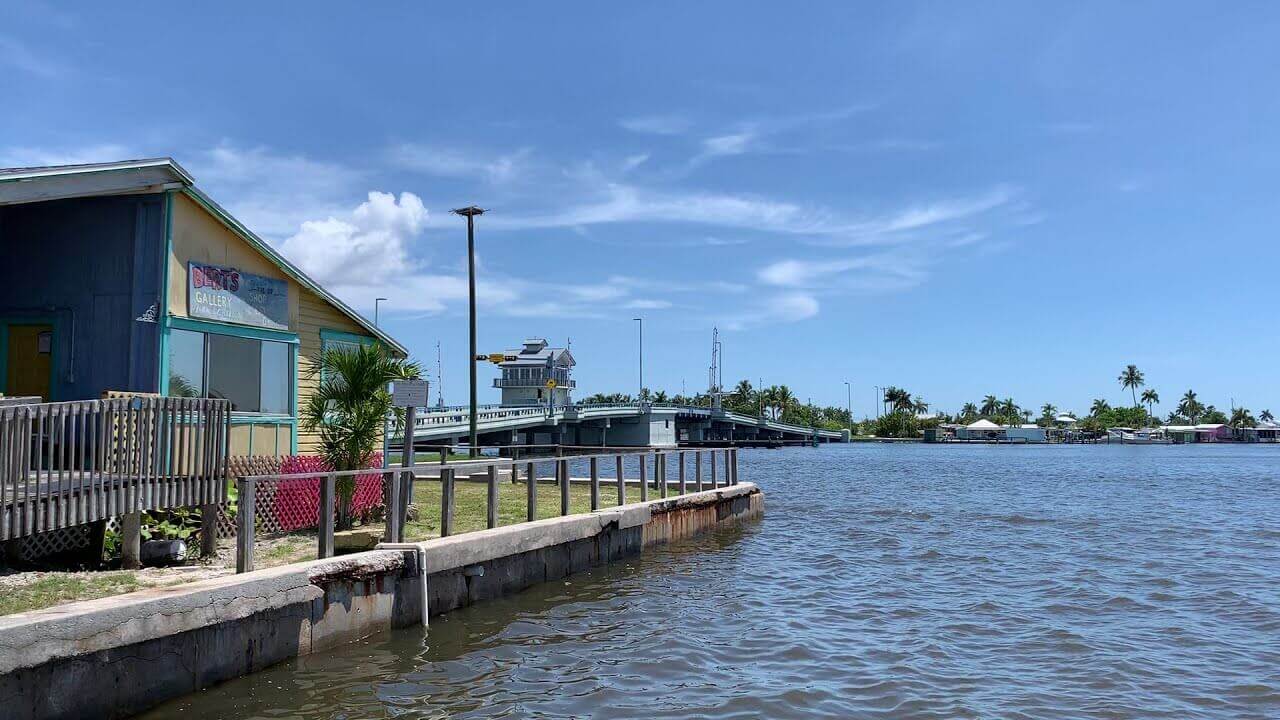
(297, 500)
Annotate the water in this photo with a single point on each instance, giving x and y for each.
(883, 582)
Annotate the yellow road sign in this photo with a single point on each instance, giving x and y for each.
(551, 384)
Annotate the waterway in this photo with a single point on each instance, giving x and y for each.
(883, 582)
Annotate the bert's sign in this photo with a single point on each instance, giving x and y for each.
(228, 295)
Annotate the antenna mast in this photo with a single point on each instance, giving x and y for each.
(439, 378)
(713, 373)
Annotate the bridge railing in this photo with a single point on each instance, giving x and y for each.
(454, 490)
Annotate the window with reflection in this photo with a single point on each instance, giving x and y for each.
(256, 376)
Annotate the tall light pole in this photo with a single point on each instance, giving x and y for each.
(470, 214)
(848, 398)
(376, 303)
(641, 321)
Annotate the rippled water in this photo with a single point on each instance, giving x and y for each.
(884, 581)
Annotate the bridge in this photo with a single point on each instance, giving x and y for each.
(611, 425)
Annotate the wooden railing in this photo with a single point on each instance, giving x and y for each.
(70, 463)
(721, 469)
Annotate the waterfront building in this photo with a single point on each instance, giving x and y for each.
(1202, 433)
(127, 277)
(536, 374)
(1027, 434)
(980, 430)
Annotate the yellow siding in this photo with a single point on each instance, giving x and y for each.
(314, 315)
(199, 236)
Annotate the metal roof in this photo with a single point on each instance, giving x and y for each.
(37, 184)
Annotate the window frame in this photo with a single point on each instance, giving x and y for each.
(259, 334)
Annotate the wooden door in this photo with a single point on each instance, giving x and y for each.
(29, 361)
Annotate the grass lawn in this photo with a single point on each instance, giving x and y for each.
(32, 591)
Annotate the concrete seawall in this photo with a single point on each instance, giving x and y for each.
(115, 657)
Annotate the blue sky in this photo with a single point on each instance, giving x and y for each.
(960, 199)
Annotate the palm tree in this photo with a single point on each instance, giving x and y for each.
(1009, 408)
(349, 407)
(1266, 416)
(990, 405)
(1131, 379)
(1190, 407)
(660, 397)
(1150, 397)
(1099, 406)
(969, 411)
(1049, 410)
(1240, 417)
(920, 406)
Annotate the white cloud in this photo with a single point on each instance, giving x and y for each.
(870, 272)
(368, 247)
(731, 144)
(669, 124)
(449, 162)
(274, 193)
(634, 161)
(647, 304)
(784, 307)
(25, 156)
(18, 55)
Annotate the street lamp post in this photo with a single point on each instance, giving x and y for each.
(848, 398)
(376, 303)
(641, 321)
(470, 214)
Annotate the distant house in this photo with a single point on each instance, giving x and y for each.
(1026, 434)
(981, 430)
(1202, 433)
(536, 374)
(1266, 432)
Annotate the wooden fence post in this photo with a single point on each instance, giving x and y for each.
(697, 469)
(715, 478)
(392, 511)
(208, 530)
(446, 501)
(660, 470)
(734, 475)
(595, 484)
(244, 526)
(531, 492)
(680, 459)
(622, 483)
(644, 477)
(562, 470)
(131, 540)
(328, 486)
(492, 499)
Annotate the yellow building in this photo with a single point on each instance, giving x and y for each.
(127, 277)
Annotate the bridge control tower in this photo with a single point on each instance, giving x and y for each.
(536, 374)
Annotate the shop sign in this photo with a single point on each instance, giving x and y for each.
(228, 295)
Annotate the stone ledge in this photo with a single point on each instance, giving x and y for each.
(32, 638)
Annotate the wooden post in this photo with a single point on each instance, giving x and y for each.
(660, 470)
(715, 479)
(697, 469)
(644, 477)
(208, 530)
(728, 468)
(622, 483)
(328, 489)
(131, 540)
(595, 484)
(446, 501)
(562, 470)
(244, 526)
(492, 505)
(735, 466)
(531, 492)
(392, 496)
(680, 459)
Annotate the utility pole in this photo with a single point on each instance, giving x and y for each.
(470, 214)
(640, 320)
(848, 398)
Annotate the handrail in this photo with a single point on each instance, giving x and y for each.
(398, 489)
